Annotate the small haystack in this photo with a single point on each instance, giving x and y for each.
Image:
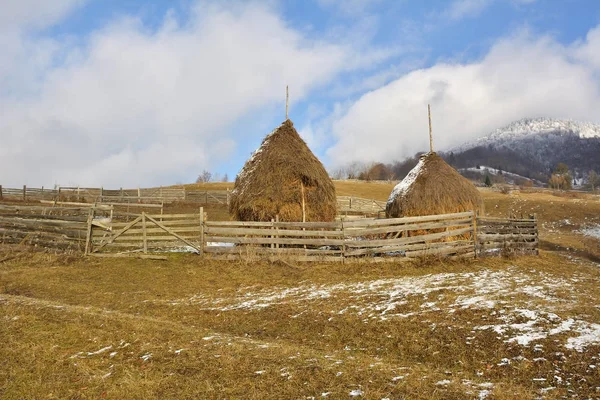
(283, 177)
(433, 187)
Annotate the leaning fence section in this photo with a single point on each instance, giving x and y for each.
(45, 227)
(511, 235)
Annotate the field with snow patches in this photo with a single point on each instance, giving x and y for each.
(494, 328)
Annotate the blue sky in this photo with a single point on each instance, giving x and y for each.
(141, 93)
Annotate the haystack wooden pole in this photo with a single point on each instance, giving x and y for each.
(287, 101)
(303, 202)
(144, 232)
(24, 192)
(430, 133)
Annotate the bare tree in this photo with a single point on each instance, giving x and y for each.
(225, 178)
(204, 177)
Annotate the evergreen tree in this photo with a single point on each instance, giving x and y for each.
(488, 181)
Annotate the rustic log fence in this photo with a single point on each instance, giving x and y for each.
(346, 204)
(100, 195)
(102, 231)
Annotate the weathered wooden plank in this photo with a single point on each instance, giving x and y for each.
(505, 237)
(267, 250)
(130, 255)
(407, 240)
(490, 230)
(150, 231)
(409, 247)
(235, 257)
(267, 240)
(151, 238)
(440, 252)
(406, 220)
(496, 219)
(269, 232)
(18, 221)
(408, 227)
(283, 225)
(177, 223)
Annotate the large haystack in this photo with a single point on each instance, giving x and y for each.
(283, 177)
(433, 187)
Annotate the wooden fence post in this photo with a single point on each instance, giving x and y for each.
(277, 236)
(122, 195)
(202, 220)
(475, 215)
(139, 195)
(101, 194)
(272, 228)
(24, 192)
(88, 239)
(144, 232)
(343, 242)
(0, 191)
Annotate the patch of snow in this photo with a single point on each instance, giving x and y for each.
(146, 356)
(444, 382)
(401, 188)
(589, 335)
(356, 393)
(593, 231)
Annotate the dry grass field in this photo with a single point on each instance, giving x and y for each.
(495, 328)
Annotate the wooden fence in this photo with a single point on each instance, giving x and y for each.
(100, 195)
(92, 230)
(512, 235)
(350, 204)
(449, 235)
(346, 204)
(47, 227)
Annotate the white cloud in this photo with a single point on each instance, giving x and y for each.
(349, 7)
(521, 76)
(36, 14)
(460, 9)
(131, 107)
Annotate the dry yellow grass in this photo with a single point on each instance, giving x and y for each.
(188, 328)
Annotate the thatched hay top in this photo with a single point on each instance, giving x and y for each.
(433, 187)
(281, 176)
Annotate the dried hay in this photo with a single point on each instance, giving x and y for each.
(276, 178)
(433, 187)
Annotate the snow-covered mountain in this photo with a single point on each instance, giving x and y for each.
(525, 129)
(533, 148)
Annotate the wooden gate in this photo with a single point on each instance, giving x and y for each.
(145, 233)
